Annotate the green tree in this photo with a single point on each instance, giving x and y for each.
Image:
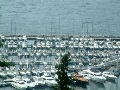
(6, 64)
(63, 79)
(1, 44)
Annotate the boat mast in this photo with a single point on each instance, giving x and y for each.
(15, 28)
(59, 24)
(11, 27)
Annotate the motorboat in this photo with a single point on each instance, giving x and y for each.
(84, 74)
(29, 83)
(28, 72)
(96, 75)
(19, 84)
(49, 80)
(2, 73)
(10, 81)
(38, 81)
(109, 75)
(22, 73)
(10, 74)
(78, 78)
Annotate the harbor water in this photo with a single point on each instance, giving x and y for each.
(108, 85)
(94, 17)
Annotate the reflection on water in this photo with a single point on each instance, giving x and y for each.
(96, 86)
(112, 81)
(80, 85)
(108, 85)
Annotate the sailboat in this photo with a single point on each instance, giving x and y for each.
(117, 71)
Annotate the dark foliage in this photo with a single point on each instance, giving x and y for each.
(6, 64)
(1, 44)
(63, 79)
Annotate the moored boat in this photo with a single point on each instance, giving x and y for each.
(109, 75)
(79, 78)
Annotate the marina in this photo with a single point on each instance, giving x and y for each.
(35, 34)
(43, 47)
(35, 59)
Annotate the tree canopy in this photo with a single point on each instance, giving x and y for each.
(1, 44)
(63, 79)
(6, 64)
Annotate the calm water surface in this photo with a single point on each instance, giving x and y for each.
(108, 85)
(101, 17)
